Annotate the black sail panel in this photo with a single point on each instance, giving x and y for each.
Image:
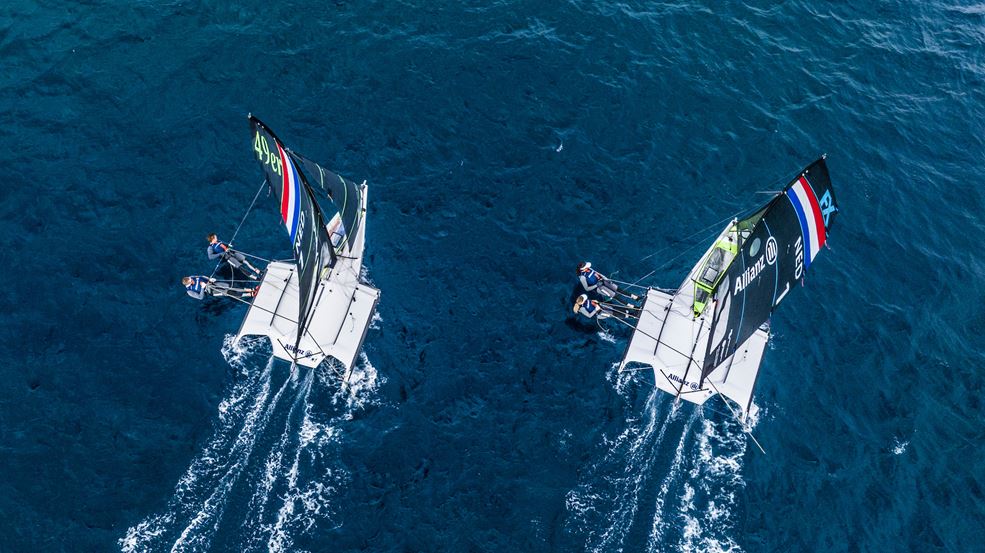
(773, 259)
(344, 193)
(303, 219)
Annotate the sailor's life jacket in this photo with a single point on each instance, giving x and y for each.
(217, 250)
(590, 279)
(590, 308)
(593, 280)
(198, 288)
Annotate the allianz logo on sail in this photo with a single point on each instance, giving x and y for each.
(749, 275)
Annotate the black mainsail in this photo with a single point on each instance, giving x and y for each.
(300, 212)
(786, 235)
(344, 193)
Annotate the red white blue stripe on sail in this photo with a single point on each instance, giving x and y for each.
(808, 210)
(290, 198)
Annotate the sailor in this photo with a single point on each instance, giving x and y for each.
(220, 250)
(589, 308)
(200, 286)
(592, 280)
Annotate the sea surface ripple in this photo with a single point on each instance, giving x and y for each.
(503, 142)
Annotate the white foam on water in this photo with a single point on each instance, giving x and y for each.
(273, 466)
(232, 411)
(698, 489)
(303, 506)
(631, 452)
(145, 531)
(710, 491)
(606, 336)
(376, 321)
(312, 501)
(658, 525)
(197, 535)
(620, 380)
(309, 474)
(362, 387)
(899, 446)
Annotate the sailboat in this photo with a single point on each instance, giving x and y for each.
(708, 336)
(318, 305)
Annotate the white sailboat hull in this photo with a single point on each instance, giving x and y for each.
(340, 314)
(669, 338)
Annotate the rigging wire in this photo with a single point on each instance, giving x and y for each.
(240, 225)
(744, 429)
(777, 183)
(255, 256)
(681, 253)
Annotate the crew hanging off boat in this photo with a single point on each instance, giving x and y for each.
(590, 308)
(594, 281)
(595, 309)
(218, 249)
(200, 286)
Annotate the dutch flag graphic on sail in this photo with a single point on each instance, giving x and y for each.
(808, 210)
(290, 198)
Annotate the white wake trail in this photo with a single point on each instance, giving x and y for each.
(143, 535)
(305, 503)
(272, 467)
(633, 479)
(710, 494)
(632, 451)
(654, 543)
(693, 504)
(298, 473)
(212, 508)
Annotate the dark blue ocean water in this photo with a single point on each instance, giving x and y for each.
(503, 142)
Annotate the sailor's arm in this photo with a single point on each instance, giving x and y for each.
(585, 284)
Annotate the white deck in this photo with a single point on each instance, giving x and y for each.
(679, 354)
(342, 309)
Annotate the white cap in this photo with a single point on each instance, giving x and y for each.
(586, 265)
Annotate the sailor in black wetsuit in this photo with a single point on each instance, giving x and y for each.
(220, 250)
(200, 286)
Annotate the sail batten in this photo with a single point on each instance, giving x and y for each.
(345, 196)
